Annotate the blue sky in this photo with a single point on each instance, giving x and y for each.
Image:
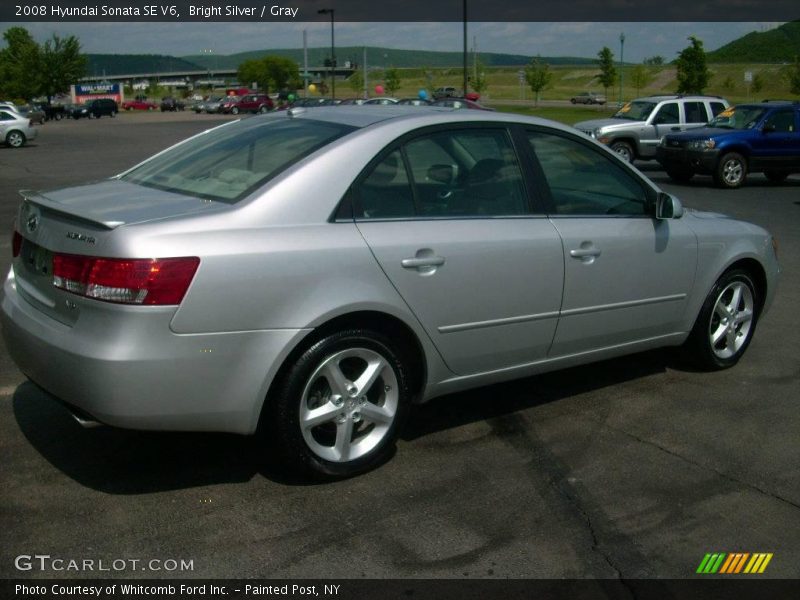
(548, 39)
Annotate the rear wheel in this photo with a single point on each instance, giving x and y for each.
(776, 176)
(338, 409)
(263, 109)
(731, 171)
(624, 149)
(726, 322)
(235, 110)
(15, 139)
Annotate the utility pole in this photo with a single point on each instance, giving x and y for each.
(621, 64)
(465, 47)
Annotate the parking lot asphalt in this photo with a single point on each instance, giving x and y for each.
(634, 467)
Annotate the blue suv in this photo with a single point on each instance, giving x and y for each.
(749, 138)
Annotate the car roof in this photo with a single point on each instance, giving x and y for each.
(678, 97)
(414, 116)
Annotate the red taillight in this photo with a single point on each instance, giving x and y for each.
(16, 244)
(156, 281)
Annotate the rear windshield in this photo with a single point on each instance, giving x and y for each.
(229, 162)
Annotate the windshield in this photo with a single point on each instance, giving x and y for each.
(635, 111)
(738, 117)
(229, 162)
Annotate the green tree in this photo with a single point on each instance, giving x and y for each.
(391, 81)
(654, 61)
(640, 77)
(20, 65)
(757, 84)
(538, 76)
(728, 84)
(270, 73)
(479, 82)
(62, 64)
(693, 74)
(794, 77)
(356, 82)
(608, 73)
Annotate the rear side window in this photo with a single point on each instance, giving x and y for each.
(229, 162)
(695, 112)
(447, 174)
(781, 120)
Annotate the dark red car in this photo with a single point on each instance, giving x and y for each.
(254, 103)
(139, 105)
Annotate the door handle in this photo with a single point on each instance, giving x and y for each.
(424, 261)
(584, 252)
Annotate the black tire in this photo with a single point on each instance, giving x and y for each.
(699, 348)
(625, 150)
(235, 110)
(573, 101)
(680, 175)
(308, 450)
(776, 176)
(112, 114)
(263, 109)
(58, 116)
(15, 139)
(731, 171)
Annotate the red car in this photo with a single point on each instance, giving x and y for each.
(254, 103)
(139, 105)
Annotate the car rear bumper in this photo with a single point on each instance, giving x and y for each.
(125, 367)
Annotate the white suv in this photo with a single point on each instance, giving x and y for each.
(637, 128)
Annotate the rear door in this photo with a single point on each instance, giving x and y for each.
(448, 217)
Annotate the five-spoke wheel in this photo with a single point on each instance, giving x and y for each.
(337, 410)
(726, 322)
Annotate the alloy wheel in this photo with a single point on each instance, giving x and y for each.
(731, 319)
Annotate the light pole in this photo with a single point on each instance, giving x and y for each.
(329, 11)
(621, 64)
(465, 48)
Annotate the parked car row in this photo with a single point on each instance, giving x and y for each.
(691, 135)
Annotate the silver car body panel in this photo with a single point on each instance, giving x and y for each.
(275, 266)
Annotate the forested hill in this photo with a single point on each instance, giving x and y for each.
(775, 46)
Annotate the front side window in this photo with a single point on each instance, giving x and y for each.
(583, 181)
(446, 174)
(667, 114)
(228, 162)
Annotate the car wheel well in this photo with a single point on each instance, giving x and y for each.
(759, 276)
(407, 344)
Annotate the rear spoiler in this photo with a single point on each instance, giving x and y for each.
(39, 199)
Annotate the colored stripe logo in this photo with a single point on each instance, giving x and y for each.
(734, 563)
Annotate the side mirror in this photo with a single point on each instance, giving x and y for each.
(668, 207)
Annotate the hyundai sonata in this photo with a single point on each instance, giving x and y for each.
(310, 274)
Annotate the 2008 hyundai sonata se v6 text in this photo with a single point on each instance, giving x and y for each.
(311, 274)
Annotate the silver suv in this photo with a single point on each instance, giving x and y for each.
(637, 128)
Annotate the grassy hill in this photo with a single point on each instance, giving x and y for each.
(378, 57)
(775, 46)
(122, 64)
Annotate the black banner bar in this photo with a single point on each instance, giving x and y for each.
(19, 11)
(701, 588)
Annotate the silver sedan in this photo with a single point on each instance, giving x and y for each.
(310, 274)
(15, 128)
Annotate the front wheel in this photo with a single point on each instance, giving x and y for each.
(263, 110)
(726, 322)
(731, 171)
(624, 149)
(234, 111)
(15, 139)
(338, 409)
